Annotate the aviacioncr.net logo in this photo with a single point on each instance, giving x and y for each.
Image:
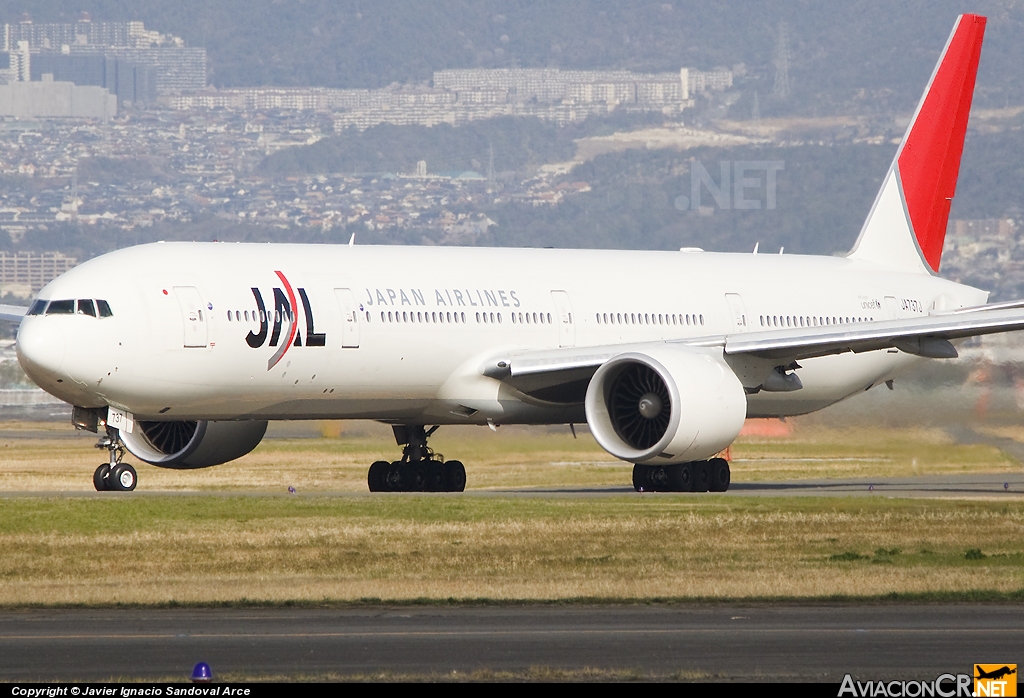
(943, 686)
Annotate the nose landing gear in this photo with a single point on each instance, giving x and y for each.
(114, 476)
(420, 470)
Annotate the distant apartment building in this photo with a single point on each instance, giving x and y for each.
(581, 86)
(131, 62)
(50, 99)
(129, 82)
(460, 96)
(717, 79)
(174, 69)
(983, 228)
(25, 273)
(84, 31)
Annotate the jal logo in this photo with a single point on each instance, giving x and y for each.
(285, 323)
(995, 680)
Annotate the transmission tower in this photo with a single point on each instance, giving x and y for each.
(490, 166)
(781, 89)
(756, 112)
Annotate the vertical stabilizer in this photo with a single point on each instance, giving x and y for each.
(907, 223)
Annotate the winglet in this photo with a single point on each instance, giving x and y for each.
(907, 223)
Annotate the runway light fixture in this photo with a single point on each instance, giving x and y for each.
(201, 673)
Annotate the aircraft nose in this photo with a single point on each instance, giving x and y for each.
(40, 347)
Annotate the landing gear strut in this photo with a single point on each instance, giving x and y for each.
(420, 470)
(114, 476)
(699, 476)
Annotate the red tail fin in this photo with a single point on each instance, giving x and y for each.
(929, 160)
(907, 224)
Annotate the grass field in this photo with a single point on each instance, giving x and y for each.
(278, 548)
(334, 458)
(232, 534)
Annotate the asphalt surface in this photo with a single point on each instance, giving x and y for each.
(714, 642)
(1000, 486)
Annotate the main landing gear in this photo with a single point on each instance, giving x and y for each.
(114, 476)
(420, 470)
(698, 476)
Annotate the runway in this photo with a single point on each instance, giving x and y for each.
(999, 486)
(712, 642)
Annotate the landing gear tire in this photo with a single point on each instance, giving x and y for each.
(641, 483)
(658, 477)
(454, 476)
(720, 475)
(375, 476)
(392, 481)
(420, 469)
(100, 478)
(434, 476)
(113, 475)
(680, 477)
(414, 477)
(701, 475)
(123, 478)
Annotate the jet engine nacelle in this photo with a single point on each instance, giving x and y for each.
(187, 445)
(667, 405)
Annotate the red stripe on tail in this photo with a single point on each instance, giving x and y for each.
(930, 159)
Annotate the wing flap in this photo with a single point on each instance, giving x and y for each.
(906, 334)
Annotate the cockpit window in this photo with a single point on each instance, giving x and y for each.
(38, 307)
(104, 309)
(61, 308)
(86, 307)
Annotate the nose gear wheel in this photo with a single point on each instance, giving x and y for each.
(114, 476)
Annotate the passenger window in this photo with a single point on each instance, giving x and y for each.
(38, 307)
(61, 308)
(86, 307)
(104, 308)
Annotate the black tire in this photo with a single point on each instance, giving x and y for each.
(680, 477)
(701, 475)
(641, 481)
(454, 476)
(100, 478)
(720, 475)
(391, 477)
(434, 480)
(375, 476)
(658, 478)
(123, 478)
(414, 477)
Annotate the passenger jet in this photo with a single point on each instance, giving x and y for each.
(181, 352)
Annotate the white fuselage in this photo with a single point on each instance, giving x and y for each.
(406, 330)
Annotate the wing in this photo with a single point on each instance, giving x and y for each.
(562, 375)
(12, 313)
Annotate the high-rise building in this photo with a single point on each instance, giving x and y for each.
(28, 272)
(145, 62)
(173, 69)
(131, 83)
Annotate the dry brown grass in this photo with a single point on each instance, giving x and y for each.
(207, 549)
(212, 546)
